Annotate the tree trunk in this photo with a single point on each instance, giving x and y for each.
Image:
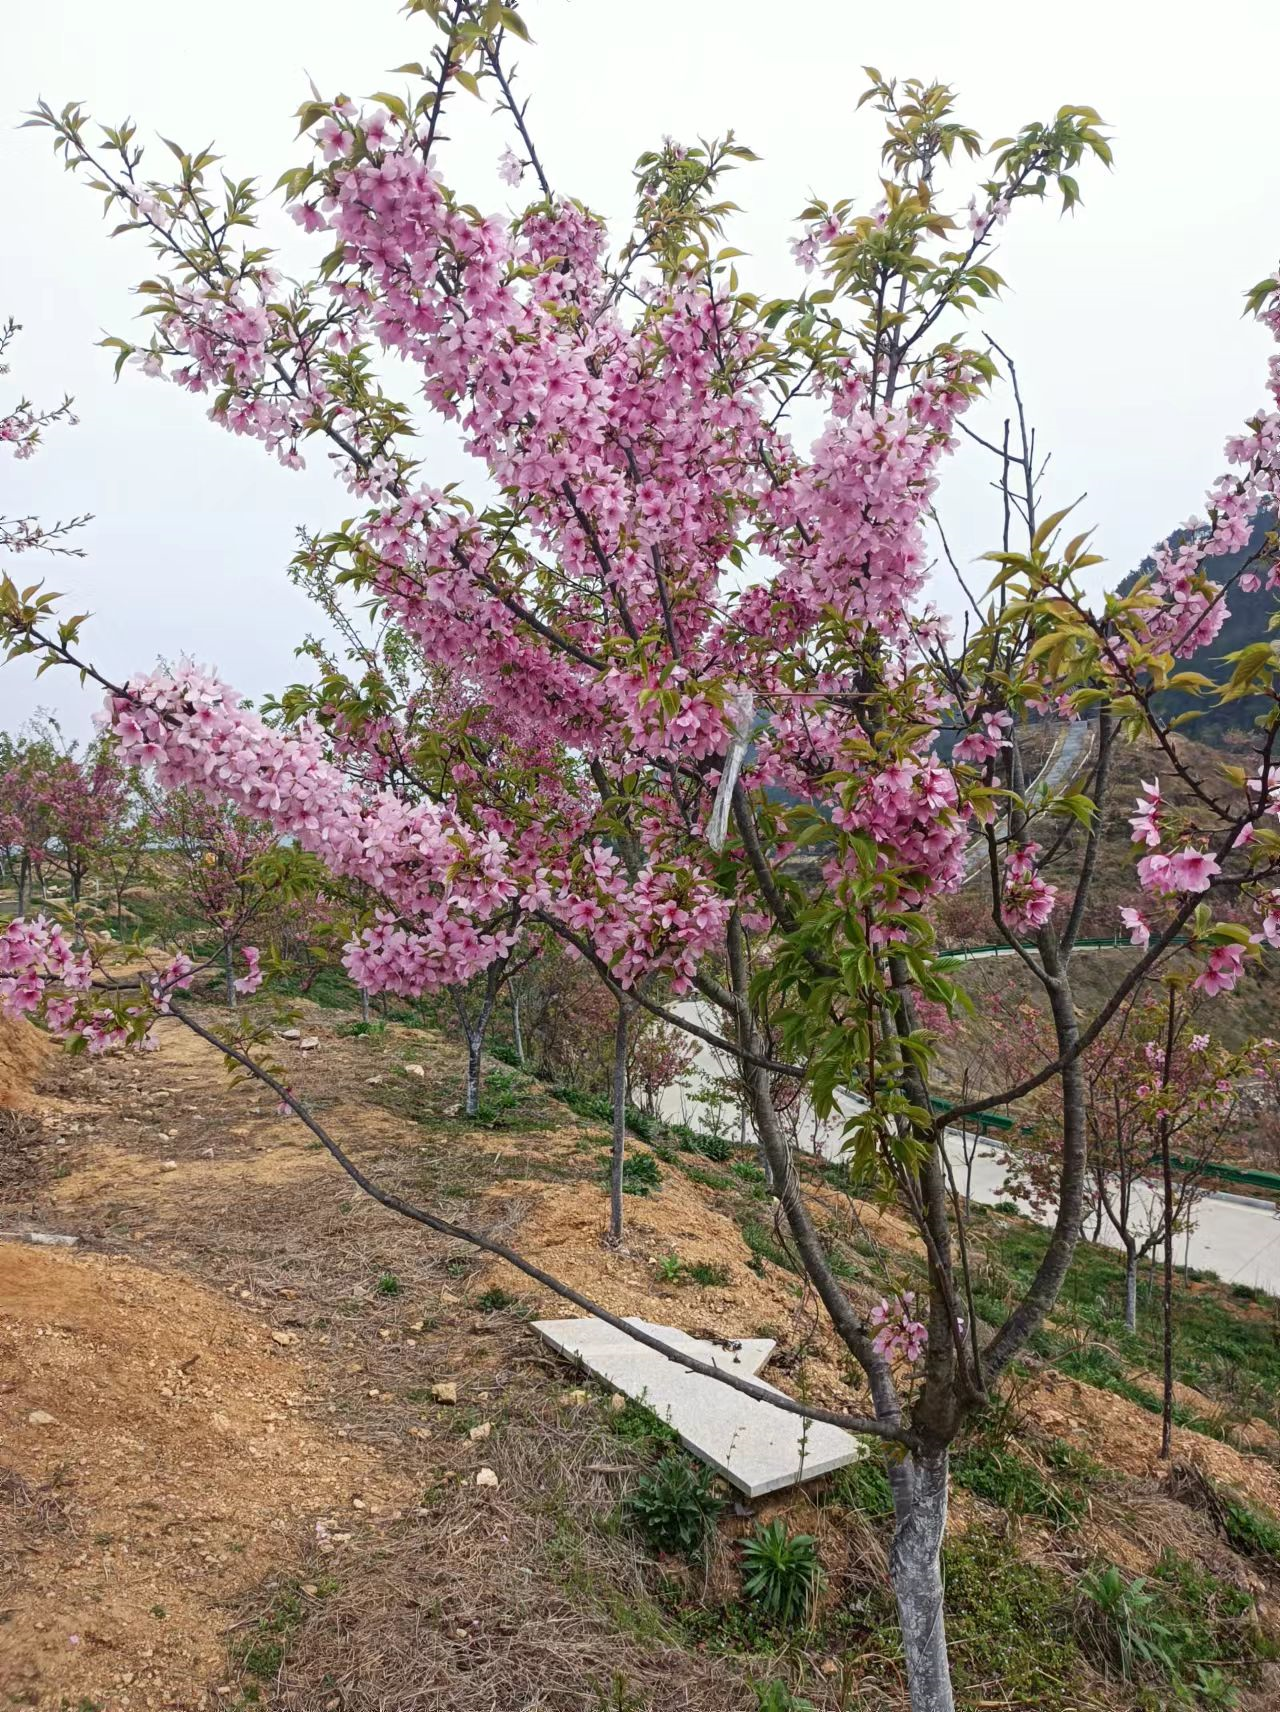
(1131, 1287)
(1166, 1415)
(915, 1570)
(24, 885)
(619, 1125)
(516, 1036)
(228, 962)
(474, 1043)
(364, 1004)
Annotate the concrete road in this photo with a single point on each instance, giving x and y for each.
(1231, 1235)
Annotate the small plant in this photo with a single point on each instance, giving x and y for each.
(672, 1270)
(674, 1506)
(638, 1425)
(495, 1299)
(388, 1284)
(777, 1697)
(705, 1272)
(640, 1174)
(1134, 1630)
(780, 1572)
(1180, 1629)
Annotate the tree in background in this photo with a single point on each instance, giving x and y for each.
(1136, 1105)
(632, 415)
(211, 860)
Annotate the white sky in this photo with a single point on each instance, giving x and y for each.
(1125, 320)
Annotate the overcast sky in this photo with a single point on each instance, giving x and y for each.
(1125, 320)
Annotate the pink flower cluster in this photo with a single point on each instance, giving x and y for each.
(898, 1332)
(35, 955)
(1028, 898)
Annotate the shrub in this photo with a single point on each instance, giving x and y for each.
(780, 1572)
(674, 1506)
(640, 1174)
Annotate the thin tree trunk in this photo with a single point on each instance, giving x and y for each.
(24, 885)
(1166, 1418)
(516, 1035)
(915, 1571)
(364, 1004)
(1131, 1287)
(1166, 1166)
(474, 1043)
(619, 1125)
(228, 963)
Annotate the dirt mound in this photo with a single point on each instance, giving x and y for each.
(561, 1228)
(156, 1465)
(24, 1052)
(1126, 1438)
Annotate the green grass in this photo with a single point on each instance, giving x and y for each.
(1226, 1341)
(1180, 1632)
(1004, 1477)
(672, 1270)
(640, 1174)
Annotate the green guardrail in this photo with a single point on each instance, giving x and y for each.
(1225, 1173)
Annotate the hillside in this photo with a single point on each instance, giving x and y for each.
(251, 1488)
(1248, 622)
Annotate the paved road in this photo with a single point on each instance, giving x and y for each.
(1237, 1238)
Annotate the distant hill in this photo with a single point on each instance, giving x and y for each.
(1250, 614)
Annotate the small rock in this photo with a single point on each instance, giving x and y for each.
(41, 1418)
(310, 1589)
(480, 1432)
(617, 1402)
(445, 1392)
(414, 1070)
(486, 1477)
(828, 1667)
(168, 1164)
(292, 1034)
(372, 1081)
(574, 1397)
(309, 1044)
(283, 1337)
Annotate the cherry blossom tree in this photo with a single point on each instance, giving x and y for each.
(1136, 1104)
(729, 630)
(214, 860)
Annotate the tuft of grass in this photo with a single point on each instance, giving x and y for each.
(1180, 1630)
(388, 1284)
(637, 1425)
(672, 1270)
(862, 1486)
(1006, 1479)
(495, 1299)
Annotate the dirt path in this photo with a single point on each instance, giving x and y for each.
(210, 1387)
